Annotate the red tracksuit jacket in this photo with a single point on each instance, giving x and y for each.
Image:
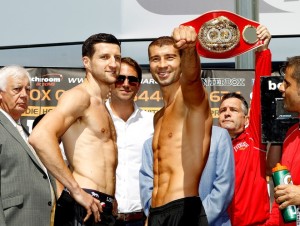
(250, 203)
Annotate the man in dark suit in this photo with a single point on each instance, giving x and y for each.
(26, 196)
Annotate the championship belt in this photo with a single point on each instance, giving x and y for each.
(223, 34)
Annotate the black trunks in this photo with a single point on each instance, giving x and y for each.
(187, 211)
(69, 213)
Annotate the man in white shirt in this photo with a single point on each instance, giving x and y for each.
(133, 127)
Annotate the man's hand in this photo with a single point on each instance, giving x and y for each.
(286, 195)
(264, 35)
(146, 222)
(92, 205)
(185, 37)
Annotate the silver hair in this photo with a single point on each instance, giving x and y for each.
(15, 71)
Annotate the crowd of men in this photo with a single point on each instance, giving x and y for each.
(129, 167)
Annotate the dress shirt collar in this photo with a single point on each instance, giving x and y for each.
(10, 118)
(136, 111)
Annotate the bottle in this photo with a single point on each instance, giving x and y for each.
(281, 175)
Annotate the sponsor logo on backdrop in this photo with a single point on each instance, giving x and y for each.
(223, 81)
(148, 81)
(35, 111)
(273, 85)
(47, 79)
(215, 112)
(73, 80)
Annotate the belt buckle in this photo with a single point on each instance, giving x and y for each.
(120, 216)
(126, 216)
(129, 216)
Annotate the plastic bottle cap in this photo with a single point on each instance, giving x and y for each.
(279, 167)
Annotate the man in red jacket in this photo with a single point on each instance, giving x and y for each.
(250, 204)
(286, 195)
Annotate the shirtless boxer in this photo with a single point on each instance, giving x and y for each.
(182, 131)
(85, 127)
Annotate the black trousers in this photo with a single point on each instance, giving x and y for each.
(69, 213)
(182, 212)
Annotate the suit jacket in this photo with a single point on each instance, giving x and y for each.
(217, 181)
(25, 197)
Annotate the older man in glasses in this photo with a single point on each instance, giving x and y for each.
(133, 127)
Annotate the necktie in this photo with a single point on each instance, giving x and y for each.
(21, 131)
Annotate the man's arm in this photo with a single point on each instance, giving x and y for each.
(273, 157)
(217, 201)
(193, 91)
(146, 176)
(45, 140)
(262, 68)
(198, 120)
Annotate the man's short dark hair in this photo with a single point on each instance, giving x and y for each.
(131, 62)
(293, 63)
(88, 45)
(162, 41)
(245, 106)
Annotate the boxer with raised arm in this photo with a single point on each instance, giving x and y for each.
(182, 130)
(84, 125)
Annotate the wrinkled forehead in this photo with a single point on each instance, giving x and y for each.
(162, 50)
(107, 48)
(127, 69)
(231, 102)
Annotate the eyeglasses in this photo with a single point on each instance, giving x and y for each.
(132, 80)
